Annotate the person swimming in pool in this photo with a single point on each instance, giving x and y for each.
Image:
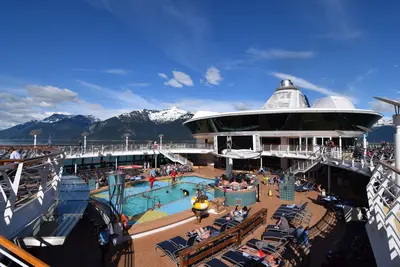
(185, 192)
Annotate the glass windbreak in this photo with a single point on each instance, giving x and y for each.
(284, 122)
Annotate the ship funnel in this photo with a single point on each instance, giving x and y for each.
(286, 83)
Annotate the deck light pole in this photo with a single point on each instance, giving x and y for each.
(35, 133)
(84, 134)
(365, 134)
(340, 133)
(161, 136)
(396, 124)
(126, 141)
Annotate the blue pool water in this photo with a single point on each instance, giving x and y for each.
(140, 198)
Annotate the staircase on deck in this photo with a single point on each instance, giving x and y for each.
(175, 157)
(308, 164)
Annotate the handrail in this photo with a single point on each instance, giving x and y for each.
(383, 214)
(232, 236)
(52, 152)
(14, 249)
(311, 157)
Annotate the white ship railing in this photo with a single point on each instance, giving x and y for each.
(337, 157)
(384, 215)
(111, 149)
(28, 187)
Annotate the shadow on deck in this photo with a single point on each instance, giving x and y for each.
(81, 247)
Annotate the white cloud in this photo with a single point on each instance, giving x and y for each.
(117, 71)
(380, 106)
(396, 65)
(163, 75)
(179, 79)
(173, 83)
(42, 101)
(278, 53)
(213, 76)
(307, 85)
(182, 78)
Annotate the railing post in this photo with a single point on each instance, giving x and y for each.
(270, 148)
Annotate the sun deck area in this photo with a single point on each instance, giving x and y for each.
(139, 247)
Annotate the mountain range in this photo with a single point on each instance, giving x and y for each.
(142, 125)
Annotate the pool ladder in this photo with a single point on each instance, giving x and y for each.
(155, 201)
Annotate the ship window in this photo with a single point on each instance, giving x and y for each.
(284, 122)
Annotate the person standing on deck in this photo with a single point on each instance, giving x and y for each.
(14, 154)
(151, 180)
(104, 242)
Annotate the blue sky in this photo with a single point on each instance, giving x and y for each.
(104, 57)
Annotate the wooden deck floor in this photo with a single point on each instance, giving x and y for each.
(140, 252)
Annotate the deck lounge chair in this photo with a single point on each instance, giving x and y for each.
(272, 227)
(215, 263)
(222, 229)
(305, 187)
(268, 247)
(237, 258)
(277, 235)
(289, 212)
(173, 246)
(292, 207)
(221, 221)
(208, 227)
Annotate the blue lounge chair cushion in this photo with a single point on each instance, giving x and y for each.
(215, 263)
(267, 248)
(273, 235)
(168, 246)
(236, 258)
(179, 241)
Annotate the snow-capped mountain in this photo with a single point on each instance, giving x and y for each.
(384, 122)
(56, 118)
(169, 115)
(59, 117)
(142, 124)
(157, 116)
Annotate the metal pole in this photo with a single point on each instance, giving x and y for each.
(126, 143)
(155, 161)
(84, 144)
(161, 142)
(329, 179)
(396, 122)
(365, 144)
(34, 140)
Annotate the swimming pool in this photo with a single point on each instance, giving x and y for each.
(140, 200)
